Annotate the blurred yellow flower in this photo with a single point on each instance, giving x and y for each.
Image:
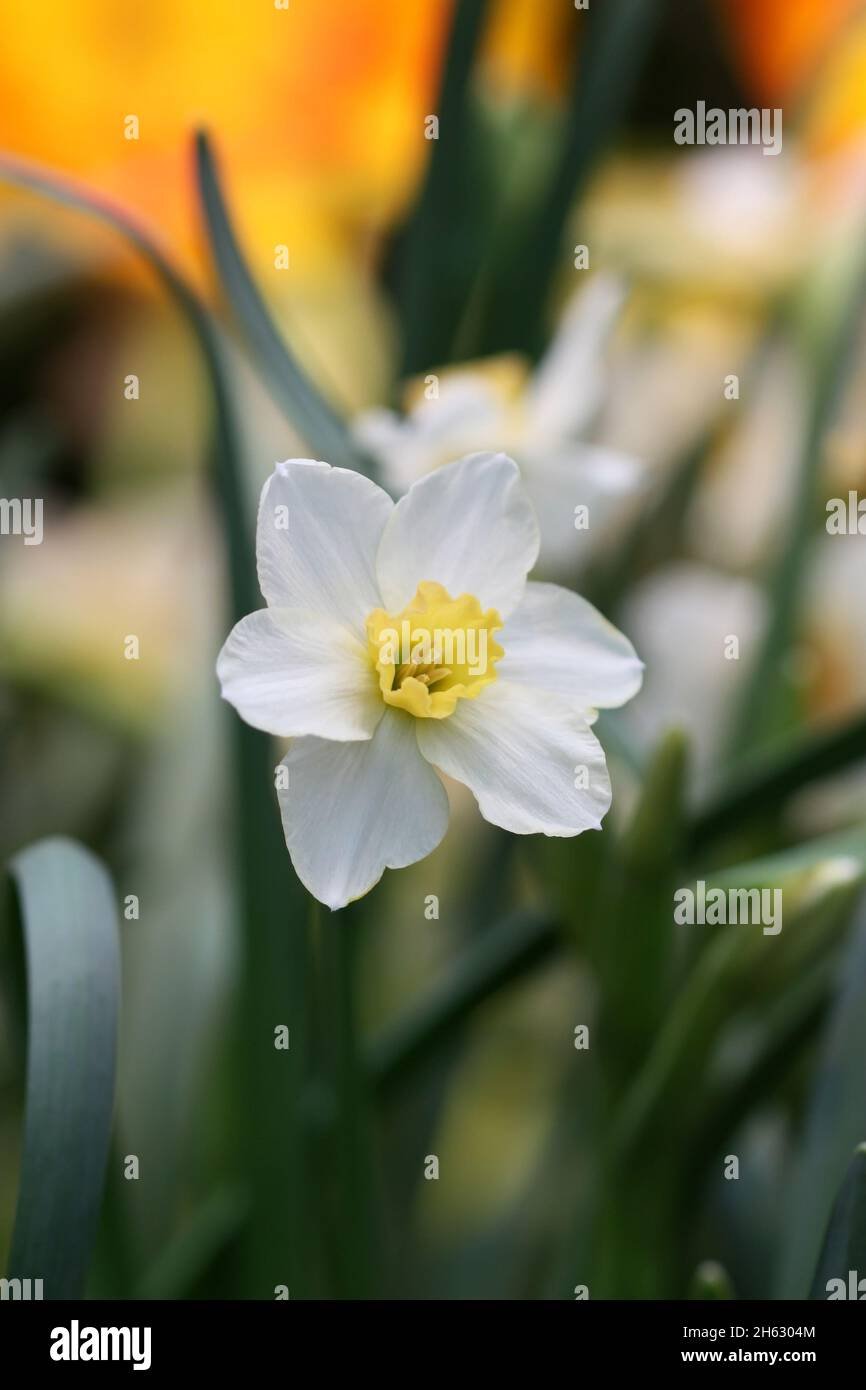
(317, 108)
(799, 51)
(778, 42)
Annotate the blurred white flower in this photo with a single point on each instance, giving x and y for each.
(542, 420)
(683, 618)
(724, 220)
(350, 579)
(699, 630)
(105, 572)
(835, 625)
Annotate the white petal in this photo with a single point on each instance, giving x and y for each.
(468, 526)
(608, 483)
(290, 672)
(567, 388)
(318, 532)
(466, 416)
(352, 810)
(520, 752)
(556, 641)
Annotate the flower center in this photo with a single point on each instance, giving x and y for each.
(437, 651)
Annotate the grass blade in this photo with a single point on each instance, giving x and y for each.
(186, 1262)
(763, 698)
(440, 249)
(272, 903)
(503, 954)
(290, 387)
(835, 1124)
(845, 1243)
(617, 42)
(770, 779)
(634, 937)
(721, 984)
(72, 951)
(790, 1030)
(234, 509)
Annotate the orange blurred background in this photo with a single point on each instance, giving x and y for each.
(317, 108)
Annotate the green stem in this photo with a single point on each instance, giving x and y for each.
(351, 1161)
(442, 245)
(770, 780)
(502, 954)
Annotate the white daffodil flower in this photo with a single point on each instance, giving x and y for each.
(541, 419)
(399, 638)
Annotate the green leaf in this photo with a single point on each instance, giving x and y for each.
(272, 903)
(569, 871)
(798, 868)
(618, 35)
(188, 1258)
(835, 1124)
(635, 927)
(290, 387)
(235, 513)
(833, 311)
(765, 783)
(660, 1127)
(440, 249)
(737, 966)
(785, 1033)
(72, 952)
(845, 1243)
(503, 953)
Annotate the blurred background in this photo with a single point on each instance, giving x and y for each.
(383, 256)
